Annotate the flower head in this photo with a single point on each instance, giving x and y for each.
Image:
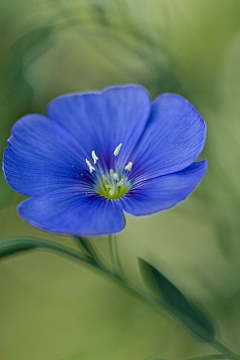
(97, 155)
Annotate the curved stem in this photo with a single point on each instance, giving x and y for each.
(12, 246)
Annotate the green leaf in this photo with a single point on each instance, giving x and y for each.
(88, 247)
(188, 313)
(84, 243)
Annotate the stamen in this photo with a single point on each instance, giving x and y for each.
(112, 183)
(94, 157)
(117, 150)
(91, 168)
(115, 176)
(128, 167)
(120, 183)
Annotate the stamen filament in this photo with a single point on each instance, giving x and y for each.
(91, 168)
(120, 183)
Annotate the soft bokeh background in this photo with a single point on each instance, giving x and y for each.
(55, 309)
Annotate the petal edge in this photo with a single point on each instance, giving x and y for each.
(164, 192)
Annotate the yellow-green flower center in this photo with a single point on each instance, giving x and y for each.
(111, 184)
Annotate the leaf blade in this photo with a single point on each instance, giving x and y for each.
(188, 313)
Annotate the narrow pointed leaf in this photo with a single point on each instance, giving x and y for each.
(91, 251)
(188, 313)
(83, 243)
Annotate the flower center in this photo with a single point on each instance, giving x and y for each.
(112, 184)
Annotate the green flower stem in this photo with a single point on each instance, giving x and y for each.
(225, 350)
(112, 242)
(11, 246)
(204, 357)
(209, 357)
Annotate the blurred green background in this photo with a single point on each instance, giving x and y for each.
(55, 309)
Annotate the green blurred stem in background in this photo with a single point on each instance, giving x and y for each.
(112, 241)
(16, 245)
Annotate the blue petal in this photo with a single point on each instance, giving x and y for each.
(67, 212)
(173, 139)
(101, 121)
(41, 157)
(164, 192)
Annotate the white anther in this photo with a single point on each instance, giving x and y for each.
(104, 177)
(115, 176)
(111, 172)
(120, 183)
(94, 157)
(118, 148)
(91, 168)
(128, 167)
(107, 186)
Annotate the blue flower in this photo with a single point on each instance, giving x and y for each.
(97, 155)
